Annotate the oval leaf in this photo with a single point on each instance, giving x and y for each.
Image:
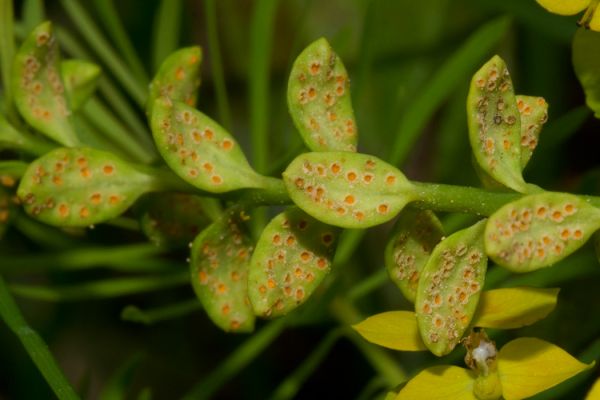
(586, 61)
(538, 230)
(449, 289)
(178, 78)
(528, 366)
(512, 308)
(347, 190)
(219, 268)
(319, 100)
(81, 79)
(415, 235)
(173, 219)
(38, 88)
(443, 382)
(199, 150)
(564, 7)
(534, 114)
(396, 330)
(80, 186)
(292, 256)
(494, 124)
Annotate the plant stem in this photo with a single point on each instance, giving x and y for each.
(114, 27)
(154, 315)
(237, 360)
(210, 10)
(167, 24)
(7, 53)
(34, 345)
(102, 289)
(96, 40)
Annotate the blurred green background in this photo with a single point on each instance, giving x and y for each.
(410, 64)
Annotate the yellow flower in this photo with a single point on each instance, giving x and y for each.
(591, 18)
(526, 366)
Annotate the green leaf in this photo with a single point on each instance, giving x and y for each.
(319, 100)
(586, 62)
(528, 366)
(564, 7)
(292, 257)
(443, 382)
(80, 186)
(199, 150)
(512, 308)
(173, 219)
(415, 235)
(534, 114)
(178, 78)
(538, 230)
(494, 124)
(449, 289)
(81, 79)
(38, 88)
(12, 139)
(347, 190)
(395, 330)
(219, 267)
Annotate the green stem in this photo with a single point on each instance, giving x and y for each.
(212, 32)
(293, 383)
(387, 367)
(42, 234)
(13, 168)
(7, 53)
(102, 289)
(87, 27)
(167, 25)
(149, 317)
(34, 345)
(126, 257)
(114, 27)
(237, 361)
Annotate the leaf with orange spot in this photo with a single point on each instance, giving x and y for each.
(220, 258)
(539, 230)
(415, 235)
(450, 287)
(81, 79)
(292, 257)
(586, 62)
(39, 91)
(534, 114)
(511, 308)
(178, 78)
(395, 330)
(81, 186)
(319, 100)
(199, 150)
(6, 210)
(494, 124)
(442, 382)
(528, 366)
(174, 219)
(347, 190)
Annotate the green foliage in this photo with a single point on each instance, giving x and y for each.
(586, 62)
(81, 79)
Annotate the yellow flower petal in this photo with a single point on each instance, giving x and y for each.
(394, 329)
(528, 366)
(443, 382)
(595, 21)
(564, 7)
(594, 393)
(514, 307)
